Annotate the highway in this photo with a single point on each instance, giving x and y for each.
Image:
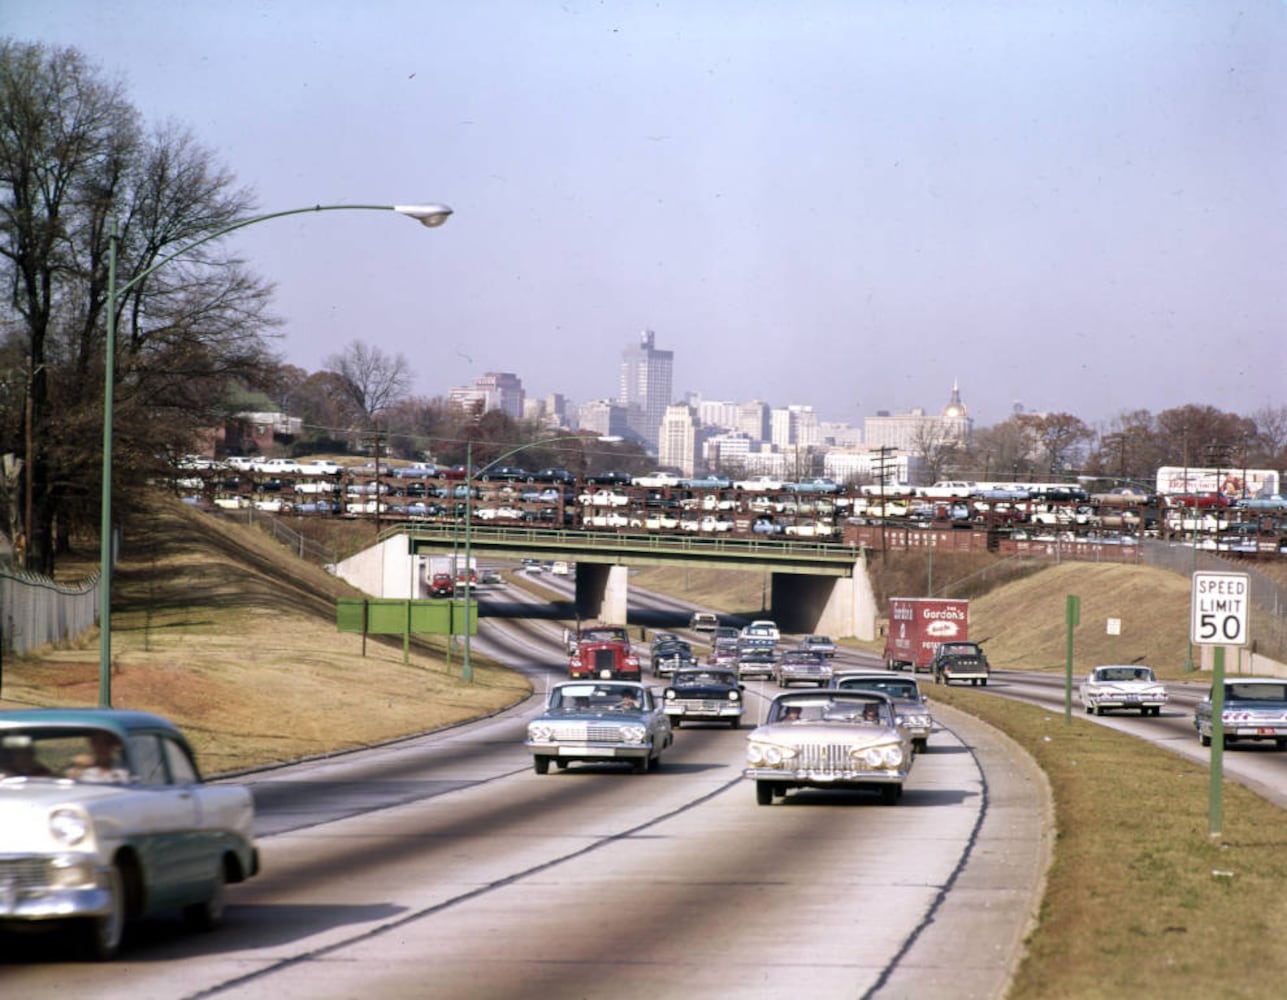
(443, 866)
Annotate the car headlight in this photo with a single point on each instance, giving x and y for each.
(68, 826)
(733, 696)
(669, 694)
(886, 756)
(766, 753)
(540, 732)
(633, 734)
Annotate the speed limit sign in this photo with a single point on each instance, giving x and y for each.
(1220, 609)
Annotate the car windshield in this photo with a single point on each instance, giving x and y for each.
(894, 688)
(1256, 692)
(89, 755)
(573, 698)
(816, 709)
(604, 634)
(702, 677)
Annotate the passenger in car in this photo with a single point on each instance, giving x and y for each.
(102, 763)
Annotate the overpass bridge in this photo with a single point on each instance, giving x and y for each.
(814, 586)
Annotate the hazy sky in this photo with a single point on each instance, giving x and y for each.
(1074, 206)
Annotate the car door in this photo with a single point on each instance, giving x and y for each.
(175, 854)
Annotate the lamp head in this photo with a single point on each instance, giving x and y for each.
(428, 215)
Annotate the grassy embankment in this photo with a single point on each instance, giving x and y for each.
(219, 627)
(222, 629)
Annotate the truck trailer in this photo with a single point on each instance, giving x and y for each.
(918, 625)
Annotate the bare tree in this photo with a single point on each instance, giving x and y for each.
(74, 162)
(938, 445)
(372, 380)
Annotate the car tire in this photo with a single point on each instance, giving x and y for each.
(920, 746)
(639, 765)
(890, 794)
(208, 914)
(1099, 709)
(1204, 738)
(101, 936)
(734, 723)
(541, 764)
(763, 793)
(1090, 709)
(561, 764)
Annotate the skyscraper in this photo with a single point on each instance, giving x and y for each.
(646, 385)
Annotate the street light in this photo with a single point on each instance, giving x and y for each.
(427, 215)
(467, 667)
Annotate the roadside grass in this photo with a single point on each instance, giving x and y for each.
(1139, 902)
(220, 628)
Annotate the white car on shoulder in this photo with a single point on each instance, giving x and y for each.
(1117, 686)
(106, 820)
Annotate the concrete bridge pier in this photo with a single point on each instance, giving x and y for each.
(836, 606)
(601, 592)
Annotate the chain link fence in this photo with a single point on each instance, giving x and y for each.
(36, 611)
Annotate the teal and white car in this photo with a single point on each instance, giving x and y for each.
(105, 819)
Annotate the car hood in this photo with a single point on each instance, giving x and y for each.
(641, 715)
(797, 734)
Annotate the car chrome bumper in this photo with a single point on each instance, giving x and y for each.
(822, 779)
(590, 751)
(732, 711)
(25, 897)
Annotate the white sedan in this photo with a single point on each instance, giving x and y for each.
(759, 483)
(1122, 686)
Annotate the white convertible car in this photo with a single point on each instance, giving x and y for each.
(1122, 686)
(106, 819)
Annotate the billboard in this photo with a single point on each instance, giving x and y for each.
(1172, 479)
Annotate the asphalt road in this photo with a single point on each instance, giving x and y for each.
(442, 866)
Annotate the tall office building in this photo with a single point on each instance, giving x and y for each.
(677, 440)
(646, 386)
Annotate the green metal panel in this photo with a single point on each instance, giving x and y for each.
(388, 616)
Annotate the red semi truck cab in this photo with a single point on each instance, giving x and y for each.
(604, 660)
(917, 625)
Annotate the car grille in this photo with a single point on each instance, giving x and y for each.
(822, 757)
(582, 732)
(24, 874)
(701, 704)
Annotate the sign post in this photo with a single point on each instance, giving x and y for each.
(1218, 618)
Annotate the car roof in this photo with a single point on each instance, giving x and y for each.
(120, 721)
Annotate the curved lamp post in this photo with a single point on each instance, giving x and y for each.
(467, 667)
(427, 215)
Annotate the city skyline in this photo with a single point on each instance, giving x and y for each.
(846, 204)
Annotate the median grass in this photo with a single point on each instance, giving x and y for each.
(224, 630)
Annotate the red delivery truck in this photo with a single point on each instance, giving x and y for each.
(918, 624)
